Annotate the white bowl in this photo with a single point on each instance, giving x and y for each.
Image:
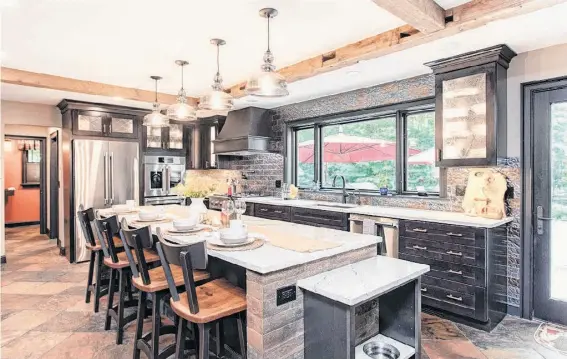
(185, 224)
(148, 215)
(231, 236)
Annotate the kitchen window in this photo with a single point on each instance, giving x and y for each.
(391, 148)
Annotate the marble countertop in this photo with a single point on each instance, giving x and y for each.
(268, 258)
(454, 218)
(358, 282)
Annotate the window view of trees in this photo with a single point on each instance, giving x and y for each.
(365, 153)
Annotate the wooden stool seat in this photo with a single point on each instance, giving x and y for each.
(217, 299)
(159, 282)
(123, 259)
(96, 248)
(117, 243)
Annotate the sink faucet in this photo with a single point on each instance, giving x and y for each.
(345, 194)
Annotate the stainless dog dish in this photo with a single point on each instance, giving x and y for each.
(379, 350)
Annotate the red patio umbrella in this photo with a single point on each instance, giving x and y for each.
(341, 148)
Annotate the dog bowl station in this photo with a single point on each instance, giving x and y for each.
(332, 298)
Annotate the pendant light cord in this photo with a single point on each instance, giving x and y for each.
(156, 90)
(269, 32)
(182, 66)
(218, 58)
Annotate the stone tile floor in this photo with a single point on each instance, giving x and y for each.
(43, 315)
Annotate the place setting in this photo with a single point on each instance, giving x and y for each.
(234, 238)
(148, 217)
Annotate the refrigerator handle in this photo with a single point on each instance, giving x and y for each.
(111, 182)
(106, 178)
(164, 179)
(167, 179)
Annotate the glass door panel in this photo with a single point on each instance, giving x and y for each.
(154, 138)
(175, 137)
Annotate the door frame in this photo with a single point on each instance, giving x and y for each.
(54, 232)
(42, 176)
(529, 89)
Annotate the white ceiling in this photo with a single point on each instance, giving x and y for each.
(123, 42)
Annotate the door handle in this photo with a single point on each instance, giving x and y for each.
(111, 182)
(163, 179)
(106, 178)
(540, 218)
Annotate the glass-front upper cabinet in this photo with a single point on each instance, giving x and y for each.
(470, 103)
(105, 124)
(171, 139)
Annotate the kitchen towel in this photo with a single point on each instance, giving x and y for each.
(369, 226)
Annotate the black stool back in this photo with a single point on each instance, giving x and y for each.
(183, 255)
(86, 216)
(108, 227)
(137, 240)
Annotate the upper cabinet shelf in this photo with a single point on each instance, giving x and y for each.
(470, 101)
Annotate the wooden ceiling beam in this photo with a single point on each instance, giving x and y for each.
(34, 79)
(465, 17)
(425, 15)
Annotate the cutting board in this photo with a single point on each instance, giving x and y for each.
(484, 196)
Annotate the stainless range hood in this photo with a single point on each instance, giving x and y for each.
(245, 132)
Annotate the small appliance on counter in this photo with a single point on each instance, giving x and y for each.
(161, 175)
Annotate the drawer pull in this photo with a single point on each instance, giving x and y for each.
(459, 272)
(278, 212)
(458, 299)
(424, 290)
(454, 234)
(420, 248)
(420, 230)
(263, 210)
(460, 254)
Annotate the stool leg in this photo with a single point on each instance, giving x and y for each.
(241, 339)
(90, 278)
(98, 280)
(180, 340)
(156, 324)
(204, 336)
(139, 323)
(121, 295)
(110, 299)
(219, 333)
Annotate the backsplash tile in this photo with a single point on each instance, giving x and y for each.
(263, 170)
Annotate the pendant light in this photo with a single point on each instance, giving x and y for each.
(156, 119)
(181, 110)
(217, 99)
(267, 83)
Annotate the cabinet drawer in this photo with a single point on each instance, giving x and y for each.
(460, 235)
(450, 271)
(314, 217)
(443, 251)
(468, 301)
(268, 211)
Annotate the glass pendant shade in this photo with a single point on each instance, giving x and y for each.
(217, 99)
(155, 119)
(267, 83)
(181, 110)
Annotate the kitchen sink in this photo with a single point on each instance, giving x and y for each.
(336, 205)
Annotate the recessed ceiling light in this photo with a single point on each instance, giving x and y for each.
(352, 73)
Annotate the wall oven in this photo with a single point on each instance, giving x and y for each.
(161, 174)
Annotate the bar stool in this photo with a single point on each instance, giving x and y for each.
(205, 306)
(86, 217)
(152, 283)
(120, 270)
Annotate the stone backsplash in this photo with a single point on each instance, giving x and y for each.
(263, 170)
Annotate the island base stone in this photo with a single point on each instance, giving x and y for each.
(276, 332)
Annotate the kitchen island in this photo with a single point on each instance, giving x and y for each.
(269, 274)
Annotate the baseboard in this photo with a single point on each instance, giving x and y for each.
(62, 251)
(3, 260)
(22, 224)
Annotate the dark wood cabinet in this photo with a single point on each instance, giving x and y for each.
(470, 107)
(465, 279)
(174, 139)
(207, 131)
(280, 213)
(320, 218)
(105, 124)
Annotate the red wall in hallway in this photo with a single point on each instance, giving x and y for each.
(23, 206)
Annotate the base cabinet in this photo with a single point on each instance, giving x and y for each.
(468, 268)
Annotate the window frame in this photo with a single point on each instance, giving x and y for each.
(399, 111)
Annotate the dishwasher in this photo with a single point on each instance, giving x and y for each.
(387, 228)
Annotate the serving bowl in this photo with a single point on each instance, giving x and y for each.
(233, 236)
(148, 215)
(185, 224)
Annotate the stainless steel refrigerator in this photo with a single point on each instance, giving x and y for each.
(104, 173)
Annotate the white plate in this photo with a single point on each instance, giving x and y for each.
(124, 211)
(196, 228)
(215, 240)
(160, 217)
